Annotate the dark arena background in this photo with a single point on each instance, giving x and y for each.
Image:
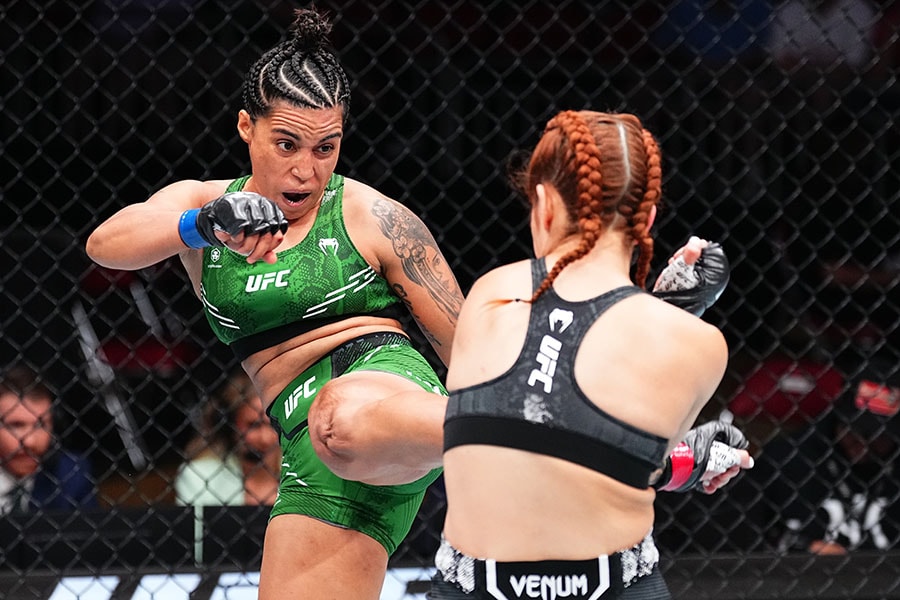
(778, 127)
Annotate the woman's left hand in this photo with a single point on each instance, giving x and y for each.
(713, 480)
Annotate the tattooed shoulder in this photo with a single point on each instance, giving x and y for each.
(401, 226)
(419, 255)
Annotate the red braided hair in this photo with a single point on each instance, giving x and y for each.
(607, 169)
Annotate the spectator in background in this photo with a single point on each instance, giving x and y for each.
(833, 488)
(235, 459)
(36, 473)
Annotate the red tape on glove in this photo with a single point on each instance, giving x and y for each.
(682, 458)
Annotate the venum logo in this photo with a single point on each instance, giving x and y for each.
(584, 580)
(256, 283)
(560, 318)
(549, 587)
(328, 246)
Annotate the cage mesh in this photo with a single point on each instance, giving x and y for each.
(778, 128)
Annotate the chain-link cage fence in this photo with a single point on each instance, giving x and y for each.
(778, 127)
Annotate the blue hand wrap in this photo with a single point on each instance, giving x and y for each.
(187, 229)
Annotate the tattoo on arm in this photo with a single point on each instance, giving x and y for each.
(401, 293)
(420, 257)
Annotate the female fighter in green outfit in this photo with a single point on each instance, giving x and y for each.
(302, 272)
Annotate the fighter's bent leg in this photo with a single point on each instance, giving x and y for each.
(377, 428)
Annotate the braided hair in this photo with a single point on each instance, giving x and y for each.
(303, 70)
(607, 169)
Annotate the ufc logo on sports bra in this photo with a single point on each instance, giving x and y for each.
(546, 358)
(548, 354)
(256, 283)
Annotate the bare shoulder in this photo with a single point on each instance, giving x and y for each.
(357, 190)
(359, 196)
(681, 331)
(507, 282)
(493, 318)
(398, 245)
(668, 362)
(364, 204)
(493, 298)
(189, 193)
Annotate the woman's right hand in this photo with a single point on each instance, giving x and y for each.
(245, 222)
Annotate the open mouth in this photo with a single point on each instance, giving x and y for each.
(295, 197)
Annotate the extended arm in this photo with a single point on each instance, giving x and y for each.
(146, 233)
(185, 215)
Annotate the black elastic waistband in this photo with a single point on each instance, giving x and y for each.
(251, 344)
(347, 353)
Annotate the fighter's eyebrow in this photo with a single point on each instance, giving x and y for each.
(297, 138)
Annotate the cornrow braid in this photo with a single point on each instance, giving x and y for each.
(584, 163)
(302, 70)
(652, 194)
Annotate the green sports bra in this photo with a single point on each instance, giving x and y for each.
(321, 280)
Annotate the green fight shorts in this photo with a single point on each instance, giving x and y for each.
(307, 486)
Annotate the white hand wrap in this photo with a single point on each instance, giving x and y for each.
(678, 275)
(721, 458)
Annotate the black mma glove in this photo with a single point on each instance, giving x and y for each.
(698, 453)
(695, 287)
(233, 212)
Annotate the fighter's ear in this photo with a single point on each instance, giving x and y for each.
(245, 125)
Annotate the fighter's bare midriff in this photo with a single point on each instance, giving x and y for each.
(272, 369)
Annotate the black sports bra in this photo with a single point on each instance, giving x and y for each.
(537, 405)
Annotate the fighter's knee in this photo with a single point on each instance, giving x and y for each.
(330, 429)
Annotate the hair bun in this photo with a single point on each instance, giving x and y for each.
(310, 29)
